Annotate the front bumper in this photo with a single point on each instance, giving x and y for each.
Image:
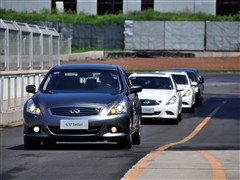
(99, 129)
(164, 112)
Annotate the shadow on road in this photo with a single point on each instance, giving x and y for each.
(74, 146)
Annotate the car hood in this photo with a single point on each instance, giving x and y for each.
(155, 94)
(75, 99)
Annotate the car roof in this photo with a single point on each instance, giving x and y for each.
(86, 66)
(149, 74)
(175, 72)
(184, 70)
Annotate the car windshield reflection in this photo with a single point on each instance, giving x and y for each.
(153, 82)
(83, 81)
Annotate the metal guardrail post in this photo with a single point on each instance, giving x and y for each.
(34, 78)
(39, 79)
(22, 91)
(9, 94)
(15, 92)
(1, 97)
(28, 81)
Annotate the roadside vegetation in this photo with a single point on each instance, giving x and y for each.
(70, 17)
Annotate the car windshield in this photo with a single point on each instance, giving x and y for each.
(96, 81)
(180, 79)
(152, 82)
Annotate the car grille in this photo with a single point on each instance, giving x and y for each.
(148, 102)
(155, 113)
(75, 111)
(57, 130)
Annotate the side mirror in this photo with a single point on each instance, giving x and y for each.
(136, 89)
(194, 83)
(201, 80)
(31, 89)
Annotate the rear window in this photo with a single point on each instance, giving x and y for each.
(152, 82)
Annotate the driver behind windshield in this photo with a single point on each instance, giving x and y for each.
(106, 79)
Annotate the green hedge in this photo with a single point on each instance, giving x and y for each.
(70, 17)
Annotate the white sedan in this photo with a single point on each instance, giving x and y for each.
(187, 89)
(159, 97)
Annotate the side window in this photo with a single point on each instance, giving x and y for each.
(127, 80)
(47, 82)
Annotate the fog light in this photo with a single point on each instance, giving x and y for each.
(114, 129)
(36, 129)
(169, 113)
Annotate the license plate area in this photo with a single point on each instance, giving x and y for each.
(73, 124)
(148, 110)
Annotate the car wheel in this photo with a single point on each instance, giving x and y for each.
(179, 118)
(192, 109)
(199, 101)
(137, 135)
(126, 143)
(31, 144)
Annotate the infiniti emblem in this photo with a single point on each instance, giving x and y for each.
(146, 102)
(75, 111)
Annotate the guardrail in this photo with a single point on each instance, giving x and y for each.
(12, 91)
(25, 46)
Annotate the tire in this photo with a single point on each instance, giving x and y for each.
(192, 109)
(179, 118)
(199, 101)
(125, 144)
(137, 135)
(31, 144)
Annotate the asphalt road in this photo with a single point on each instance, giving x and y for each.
(105, 161)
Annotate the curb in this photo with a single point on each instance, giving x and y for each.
(12, 124)
(11, 118)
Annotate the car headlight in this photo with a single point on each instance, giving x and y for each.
(196, 89)
(187, 93)
(32, 108)
(173, 100)
(119, 108)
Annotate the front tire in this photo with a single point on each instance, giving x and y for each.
(125, 144)
(31, 144)
(137, 135)
(192, 109)
(179, 118)
(199, 100)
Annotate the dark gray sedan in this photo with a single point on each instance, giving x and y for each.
(83, 103)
